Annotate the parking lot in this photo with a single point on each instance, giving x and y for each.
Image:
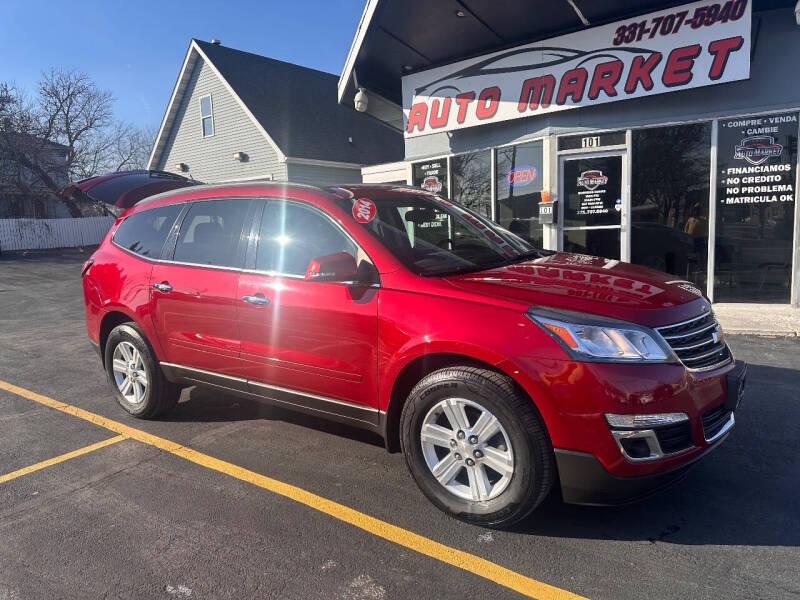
(230, 498)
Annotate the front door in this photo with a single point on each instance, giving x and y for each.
(308, 343)
(193, 296)
(595, 205)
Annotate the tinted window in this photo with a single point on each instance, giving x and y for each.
(433, 236)
(211, 233)
(145, 232)
(431, 176)
(472, 184)
(756, 175)
(669, 200)
(518, 180)
(292, 235)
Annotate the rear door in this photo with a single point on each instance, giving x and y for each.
(311, 343)
(193, 295)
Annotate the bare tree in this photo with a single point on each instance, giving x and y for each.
(65, 132)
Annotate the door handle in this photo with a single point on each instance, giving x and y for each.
(257, 299)
(163, 286)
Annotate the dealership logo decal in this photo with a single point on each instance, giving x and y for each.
(757, 149)
(592, 180)
(682, 47)
(432, 184)
(521, 176)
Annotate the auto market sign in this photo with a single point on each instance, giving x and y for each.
(694, 45)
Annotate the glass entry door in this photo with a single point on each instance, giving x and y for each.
(595, 204)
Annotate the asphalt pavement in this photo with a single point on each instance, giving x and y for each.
(133, 519)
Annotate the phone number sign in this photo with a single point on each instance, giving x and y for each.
(693, 45)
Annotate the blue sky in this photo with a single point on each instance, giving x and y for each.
(135, 49)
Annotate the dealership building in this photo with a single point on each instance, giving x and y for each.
(653, 132)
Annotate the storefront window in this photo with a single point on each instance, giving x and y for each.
(669, 200)
(471, 181)
(518, 181)
(596, 242)
(756, 165)
(431, 176)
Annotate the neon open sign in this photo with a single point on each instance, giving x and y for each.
(521, 176)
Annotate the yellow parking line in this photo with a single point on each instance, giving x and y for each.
(408, 539)
(59, 459)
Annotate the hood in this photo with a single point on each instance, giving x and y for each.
(125, 188)
(593, 285)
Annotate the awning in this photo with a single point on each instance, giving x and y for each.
(397, 37)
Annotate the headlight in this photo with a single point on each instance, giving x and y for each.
(586, 337)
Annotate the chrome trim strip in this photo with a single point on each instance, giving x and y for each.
(690, 333)
(649, 435)
(703, 316)
(711, 367)
(314, 396)
(273, 274)
(273, 387)
(203, 371)
(692, 347)
(704, 355)
(724, 430)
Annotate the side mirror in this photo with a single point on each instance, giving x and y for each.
(340, 266)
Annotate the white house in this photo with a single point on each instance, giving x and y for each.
(236, 116)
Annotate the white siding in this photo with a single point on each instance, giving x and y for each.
(211, 159)
(322, 175)
(33, 234)
(395, 172)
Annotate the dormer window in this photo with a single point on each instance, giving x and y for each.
(207, 116)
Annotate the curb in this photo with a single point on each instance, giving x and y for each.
(762, 333)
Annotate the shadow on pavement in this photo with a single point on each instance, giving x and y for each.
(203, 405)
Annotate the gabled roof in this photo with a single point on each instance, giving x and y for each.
(296, 108)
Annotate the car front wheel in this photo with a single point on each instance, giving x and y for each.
(476, 446)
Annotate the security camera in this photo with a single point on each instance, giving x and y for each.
(361, 100)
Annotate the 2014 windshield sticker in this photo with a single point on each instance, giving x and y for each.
(364, 210)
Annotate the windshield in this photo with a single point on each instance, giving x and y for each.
(434, 237)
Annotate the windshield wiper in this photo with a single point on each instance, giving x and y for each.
(535, 253)
(467, 269)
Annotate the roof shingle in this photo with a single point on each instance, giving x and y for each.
(298, 108)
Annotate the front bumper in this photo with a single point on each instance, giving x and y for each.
(584, 480)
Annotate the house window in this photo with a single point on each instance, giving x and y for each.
(207, 116)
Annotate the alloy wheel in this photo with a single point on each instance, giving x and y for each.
(129, 372)
(467, 449)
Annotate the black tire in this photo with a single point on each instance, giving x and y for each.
(534, 463)
(160, 395)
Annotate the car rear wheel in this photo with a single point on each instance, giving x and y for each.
(476, 446)
(133, 372)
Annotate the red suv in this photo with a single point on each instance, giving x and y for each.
(497, 368)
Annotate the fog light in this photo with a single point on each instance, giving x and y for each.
(636, 447)
(645, 421)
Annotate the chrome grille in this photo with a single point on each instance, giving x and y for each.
(697, 342)
(714, 420)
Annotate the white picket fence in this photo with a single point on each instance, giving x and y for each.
(34, 234)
